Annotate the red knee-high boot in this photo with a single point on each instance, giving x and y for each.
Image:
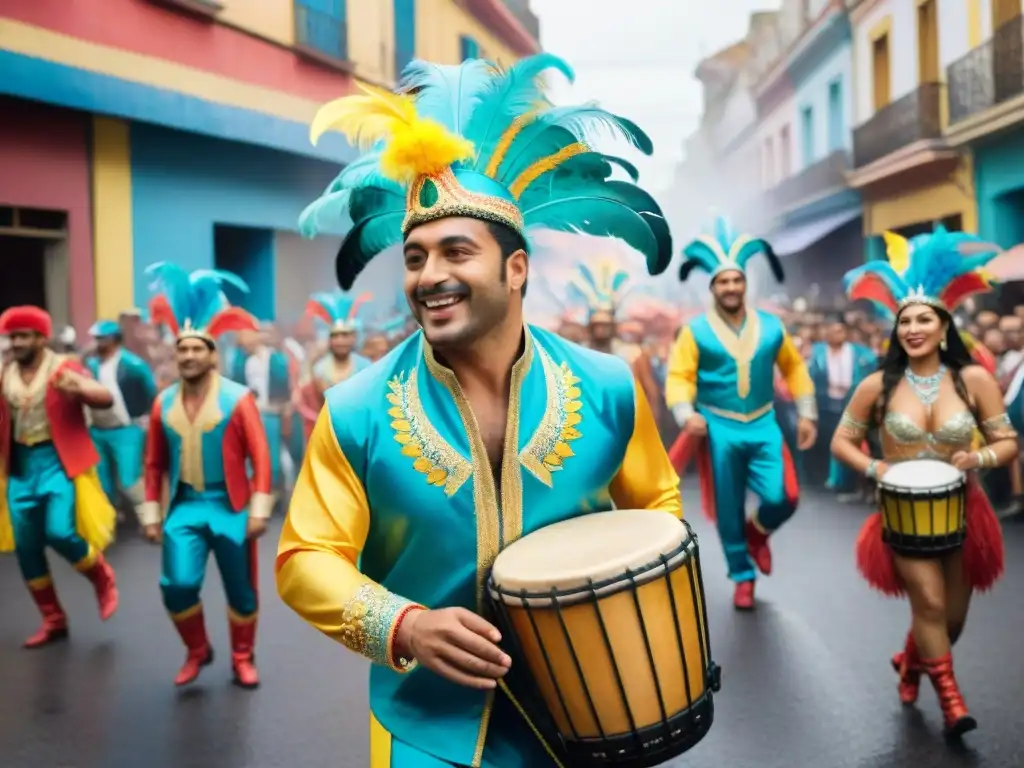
(757, 545)
(192, 628)
(243, 656)
(958, 720)
(101, 574)
(55, 622)
(907, 664)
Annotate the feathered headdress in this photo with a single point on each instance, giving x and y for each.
(481, 141)
(603, 287)
(724, 249)
(192, 305)
(339, 310)
(940, 269)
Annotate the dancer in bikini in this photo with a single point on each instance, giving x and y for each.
(929, 398)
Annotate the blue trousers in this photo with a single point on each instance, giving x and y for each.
(121, 451)
(297, 442)
(198, 523)
(41, 501)
(272, 425)
(750, 456)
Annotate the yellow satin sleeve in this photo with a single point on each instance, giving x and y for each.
(646, 479)
(794, 369)
(323, 535)
(681, 380)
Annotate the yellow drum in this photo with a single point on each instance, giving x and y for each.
(923, 507)
(607, 614)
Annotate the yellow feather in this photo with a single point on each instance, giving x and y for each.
(898, 250)
(545, 164)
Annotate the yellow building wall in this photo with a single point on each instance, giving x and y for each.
(439, 26)
(112, 216)
(371, 38)
(931, 203)
(272, 19)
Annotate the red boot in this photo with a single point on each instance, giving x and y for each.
(192, 629)
(743, 597)
(243, 643)
(958, 720)
(55, 622)
(101, 574)
(908, 666)
(757, 545)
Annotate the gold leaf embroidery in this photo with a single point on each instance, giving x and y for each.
(740, 347)
(432, 456)
(367, 619)
(549, 447)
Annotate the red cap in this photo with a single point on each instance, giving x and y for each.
(26, 318)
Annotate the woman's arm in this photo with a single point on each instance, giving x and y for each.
(1001, 438)
(853, 427)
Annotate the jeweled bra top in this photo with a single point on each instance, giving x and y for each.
(911, 441)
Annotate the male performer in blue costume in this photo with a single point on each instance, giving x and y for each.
(204, 433)
(721, 385)
(119, 432)
(477, 430)
(837, 367)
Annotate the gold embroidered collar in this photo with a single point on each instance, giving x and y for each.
(741, 346)
(191, 432)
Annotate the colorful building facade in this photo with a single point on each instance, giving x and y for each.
(141, 130)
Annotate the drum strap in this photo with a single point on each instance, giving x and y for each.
(519, 708)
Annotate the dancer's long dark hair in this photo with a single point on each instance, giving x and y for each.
(955, 357)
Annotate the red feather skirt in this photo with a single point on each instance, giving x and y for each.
(983, 548)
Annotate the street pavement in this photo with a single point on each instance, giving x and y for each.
(806, 678)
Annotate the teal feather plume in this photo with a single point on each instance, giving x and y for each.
(448, 93)
(173, 281)
(195, 297)
(365, 240)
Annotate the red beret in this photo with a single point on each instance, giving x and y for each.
(26, 318)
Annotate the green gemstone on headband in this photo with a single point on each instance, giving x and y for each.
(428, 194)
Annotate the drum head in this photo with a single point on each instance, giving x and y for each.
(921, 474)
(592, 547)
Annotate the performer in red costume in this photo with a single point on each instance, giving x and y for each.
(203, 431)
(54, 497)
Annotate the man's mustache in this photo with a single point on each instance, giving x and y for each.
(444, 289)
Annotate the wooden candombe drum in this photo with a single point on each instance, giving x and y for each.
(607, 614)
(923, 505)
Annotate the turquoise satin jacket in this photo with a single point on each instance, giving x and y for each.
(397, 480)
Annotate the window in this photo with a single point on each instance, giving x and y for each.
(322, 26)
(881, 80)
(786, 152)
(928, 42)
(836, 134)
(769, 163)
(405, 34)
(468, 48)
(807, 135)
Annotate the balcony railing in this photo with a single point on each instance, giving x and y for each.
(916, 116)
(521, 10)
(989, 74)
(320, 28)
(826, 174)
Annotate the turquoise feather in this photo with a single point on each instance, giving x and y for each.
(713, 252)
(194, 297)
(448, 93)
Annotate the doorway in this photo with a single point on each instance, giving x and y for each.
(249, 253)
(23, 272)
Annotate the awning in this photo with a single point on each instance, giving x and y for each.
(795, 238)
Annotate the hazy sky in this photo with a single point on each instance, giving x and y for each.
(637, 58)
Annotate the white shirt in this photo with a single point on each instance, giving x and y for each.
(257, 376)
(117, 414)
(840, 371)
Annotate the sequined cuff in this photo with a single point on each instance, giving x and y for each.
(369, 621)
(807, 407)
(851, 427)
(998, 428)
(682, 413)
(149, 513)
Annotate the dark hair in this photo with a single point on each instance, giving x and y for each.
(955, 357)
(509, 241)
(209, 344)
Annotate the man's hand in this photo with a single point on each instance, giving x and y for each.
(456, 644)
(697, 425)
(255, 527)
(153, 532)
(806, 434)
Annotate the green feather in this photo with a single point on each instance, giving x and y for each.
(365, 240)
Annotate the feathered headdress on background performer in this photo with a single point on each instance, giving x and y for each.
(725, 249)
(339, 310)
(480, 141)
(193, 306)
(940, 269)
(603, 287)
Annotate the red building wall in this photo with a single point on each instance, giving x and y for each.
(45, 163)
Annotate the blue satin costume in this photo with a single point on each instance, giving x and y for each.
(841, 478)
(395, 475)
(279, 394)
(121, 448)
(203, 521)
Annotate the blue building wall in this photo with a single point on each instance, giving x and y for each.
(999, 187)
(185, 185)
